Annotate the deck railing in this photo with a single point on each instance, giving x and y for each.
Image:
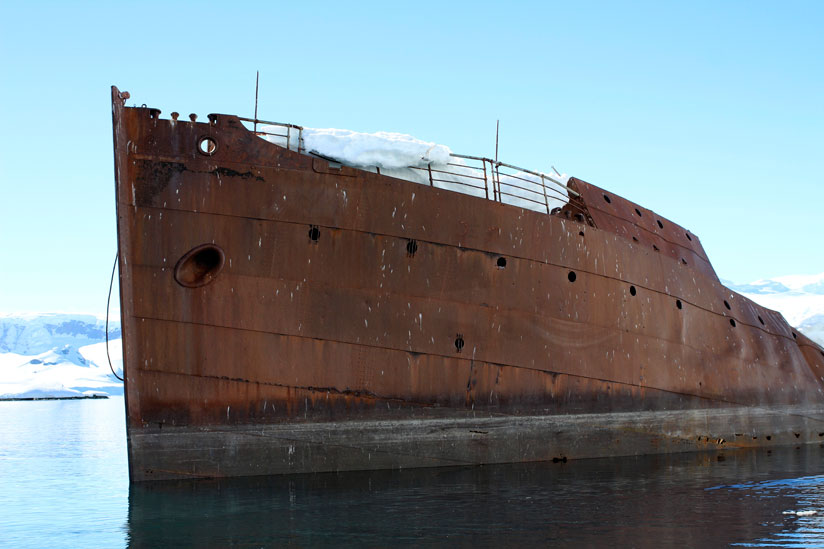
(473, 175)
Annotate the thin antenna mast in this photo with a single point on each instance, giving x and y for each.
(496, 171)
(497, 127)
(257, 83)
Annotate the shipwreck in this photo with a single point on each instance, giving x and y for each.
(284, 311)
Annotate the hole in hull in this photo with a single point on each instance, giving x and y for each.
(199, 266)
(314, 233)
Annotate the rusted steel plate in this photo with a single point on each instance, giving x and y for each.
(260, 286)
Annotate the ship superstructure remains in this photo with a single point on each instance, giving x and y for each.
(284, 313)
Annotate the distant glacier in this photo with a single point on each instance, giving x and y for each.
(56, 354)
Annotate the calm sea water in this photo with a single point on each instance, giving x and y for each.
(64, 483)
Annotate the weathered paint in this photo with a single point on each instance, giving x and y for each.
(308, 337)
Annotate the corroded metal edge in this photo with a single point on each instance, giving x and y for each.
(180, 452)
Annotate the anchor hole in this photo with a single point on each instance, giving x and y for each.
(199, 266)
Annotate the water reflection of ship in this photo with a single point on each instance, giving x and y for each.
(687, 499)
(283, 313)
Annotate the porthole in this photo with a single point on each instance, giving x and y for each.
(638, 212)
(732, 322)
(795, 336)
(572, 276)
(727, 305)
(679, 304)
(660, 225)
(608, 201)
(688, 237)
(459, 343)
(501, 262)
(206, 145)
(314, 233)
(634, 239)
(656, 248)
(411, 247)
(199, 266)
(761, 320)
(632, 290)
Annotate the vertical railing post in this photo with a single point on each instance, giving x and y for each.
(546, 200)
(288, 137)
(498, 179)
(486, 185)
(429, 167)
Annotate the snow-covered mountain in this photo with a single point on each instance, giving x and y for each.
(800, 298)
(58, 355)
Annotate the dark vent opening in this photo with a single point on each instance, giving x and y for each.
(199, 266)
(607, 199)
(501, 262)
(572, 276)
(638, 212)
(635, 239)
(688, 237)
(679, 304)
(660, 225)
(654, 247)
(459, 343)
(761, 320)
(732, 322)
(314, 233)
(632, 290)
(411, 247)
(580, 233)
(795, 336)
(727, 305)
(684, 261)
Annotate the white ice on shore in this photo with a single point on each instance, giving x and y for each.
(57, 355)
(406, 157)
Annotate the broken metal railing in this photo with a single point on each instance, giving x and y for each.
(473, 175)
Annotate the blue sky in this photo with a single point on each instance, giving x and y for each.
(711, 114)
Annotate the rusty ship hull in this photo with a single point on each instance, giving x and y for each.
(285, 314)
